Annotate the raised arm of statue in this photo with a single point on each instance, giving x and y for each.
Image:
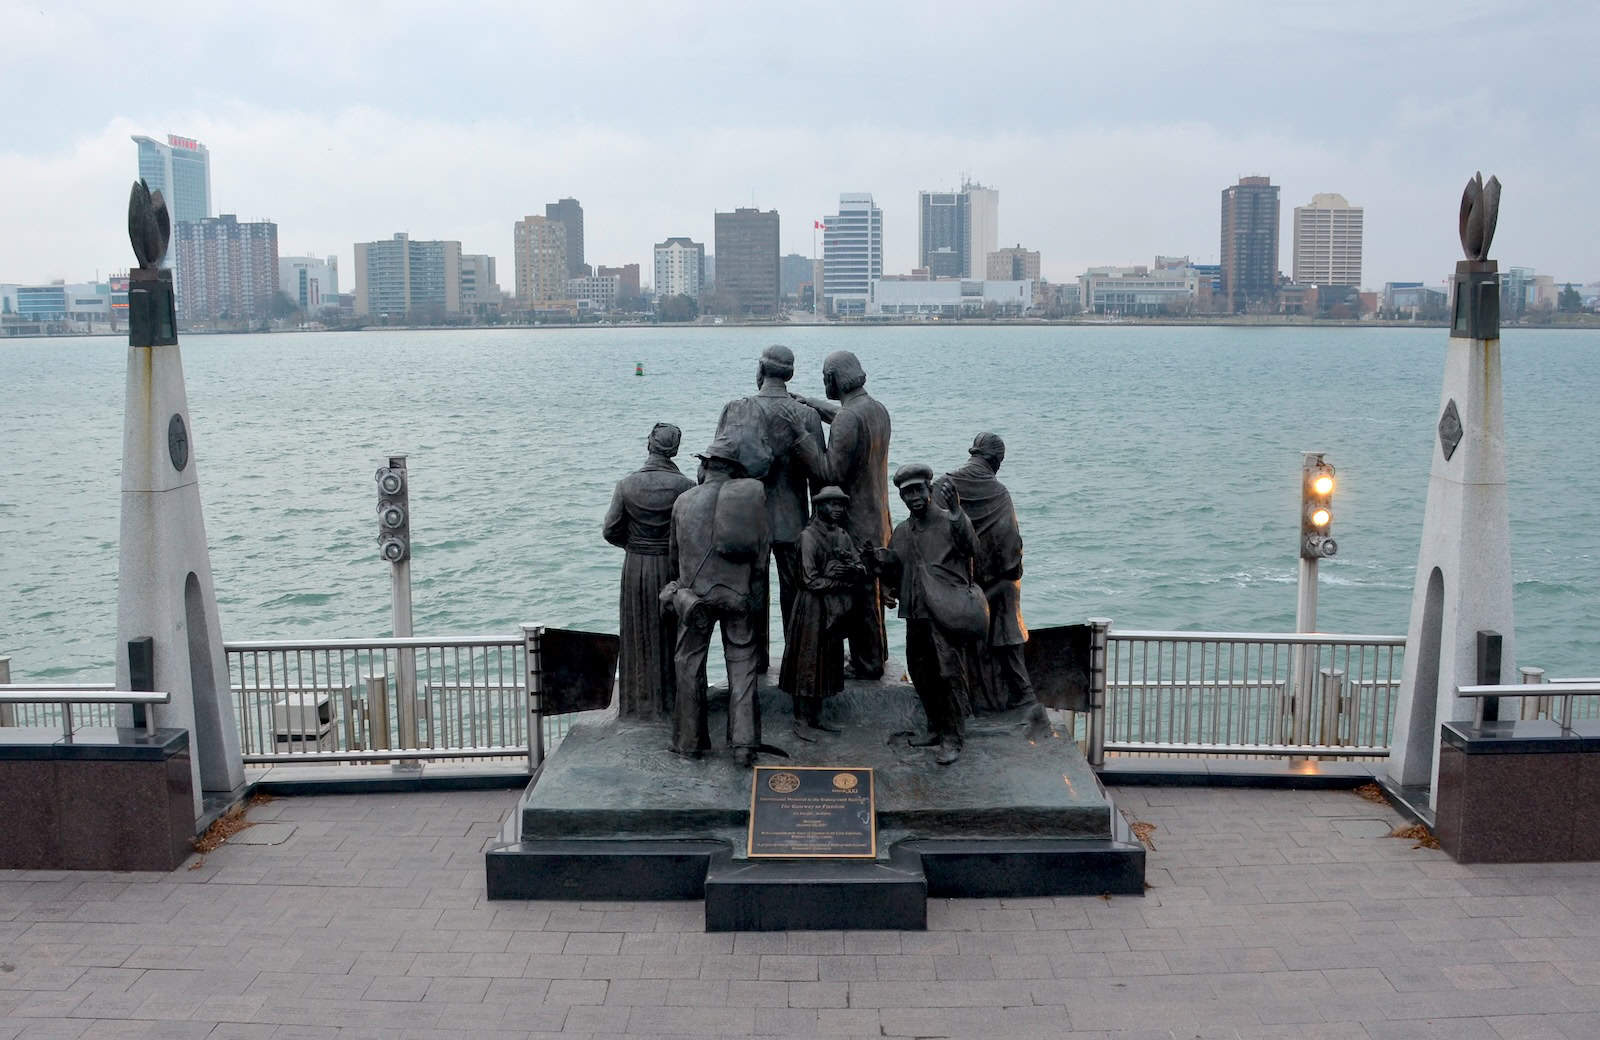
(827, 411)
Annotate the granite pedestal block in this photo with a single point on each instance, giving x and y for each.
(612, 814)
(1517, 792)
(107, 799)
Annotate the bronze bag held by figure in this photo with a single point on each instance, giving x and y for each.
(961, 610)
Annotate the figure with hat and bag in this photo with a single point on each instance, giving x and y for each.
(832, 576)
(640, 521)
(929, 558)
(719, 538)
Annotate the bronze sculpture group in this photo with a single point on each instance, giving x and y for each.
(773, 487)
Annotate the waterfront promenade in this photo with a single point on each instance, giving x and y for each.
(1270, 914)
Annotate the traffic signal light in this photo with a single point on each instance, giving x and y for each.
(1316, 509)
(394, 511)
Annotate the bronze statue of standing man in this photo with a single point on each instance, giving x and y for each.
(640, 521)
(858, 462)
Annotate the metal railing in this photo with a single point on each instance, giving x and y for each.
(390, 700)
(1262, 694)
(75, 706)
(1559, 700)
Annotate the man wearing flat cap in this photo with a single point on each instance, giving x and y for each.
(719, 538)
(930, 558)
(779, 441)
(832, 574)
(640, 521)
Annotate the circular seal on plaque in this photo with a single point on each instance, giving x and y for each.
(783, 783)
(177, 442)
(844, 781)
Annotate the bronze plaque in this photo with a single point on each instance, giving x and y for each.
(1058, 664)
(580, 670)
(812, 812)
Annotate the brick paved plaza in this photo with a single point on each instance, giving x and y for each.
(1271, 914)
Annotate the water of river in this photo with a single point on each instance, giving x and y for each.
(1155, 470)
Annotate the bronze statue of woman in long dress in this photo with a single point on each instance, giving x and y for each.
(640, 521)
(832, 576)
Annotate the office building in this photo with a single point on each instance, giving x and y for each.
(1327, 241)
(944, 225)
(402, 278)
(957, 230)
(594, 292)
(922, 298)
(680, 268)
(225, 270)
(570, 215)
(1012, 264)
(627, 280)
(747, 261)
(1139, 290)
(312, 282)
(479, 289)
(852, 255)
(540, 253)
(1249, 245)
(181, 171)
(794, 271)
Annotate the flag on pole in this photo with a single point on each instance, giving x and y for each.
(815, 224)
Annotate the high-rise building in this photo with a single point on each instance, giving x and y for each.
(478, 285)
(1327, 241)
(794, 271)
(983, 226)
(957, 230)
(944, 233)
(1249, 244)
(680, 268)
(627, 279)
(181, 171)
(570, 214)
(540, 253)
(225, 270)
(401, 277)
(852, 254)
(310, 281)
(747, 261)
(1011, 264)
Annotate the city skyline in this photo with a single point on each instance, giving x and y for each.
(1118, 160)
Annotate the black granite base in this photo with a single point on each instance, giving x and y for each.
(816, 895)
(1030, 867)
(600, 870)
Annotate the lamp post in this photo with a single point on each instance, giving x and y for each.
(1316, 542)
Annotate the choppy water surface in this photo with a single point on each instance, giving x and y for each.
(1156, 470)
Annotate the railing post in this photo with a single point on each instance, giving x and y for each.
(533, 651)
(1532, 706)
(1332, 705)
(1099, 638)
(8, 713)
(377, 710)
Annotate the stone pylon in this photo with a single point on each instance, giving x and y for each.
(1463, 581)
(164, 587)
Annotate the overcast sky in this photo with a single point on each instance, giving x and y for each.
(1109, 129)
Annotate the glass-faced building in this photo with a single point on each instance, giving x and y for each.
(181, 171)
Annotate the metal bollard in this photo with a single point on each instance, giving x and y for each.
(377, 709)
(1532, 707)
(1332, 704)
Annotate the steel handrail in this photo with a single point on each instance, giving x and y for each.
(386, 643)
(1284, 638)
(68, 694)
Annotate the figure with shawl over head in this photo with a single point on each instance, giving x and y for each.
(640, 521)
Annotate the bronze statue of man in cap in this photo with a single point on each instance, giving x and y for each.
(930, 558)
(779, 442)
(719, 539)
(639, 521)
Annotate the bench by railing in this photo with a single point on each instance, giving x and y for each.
(1264, 694)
